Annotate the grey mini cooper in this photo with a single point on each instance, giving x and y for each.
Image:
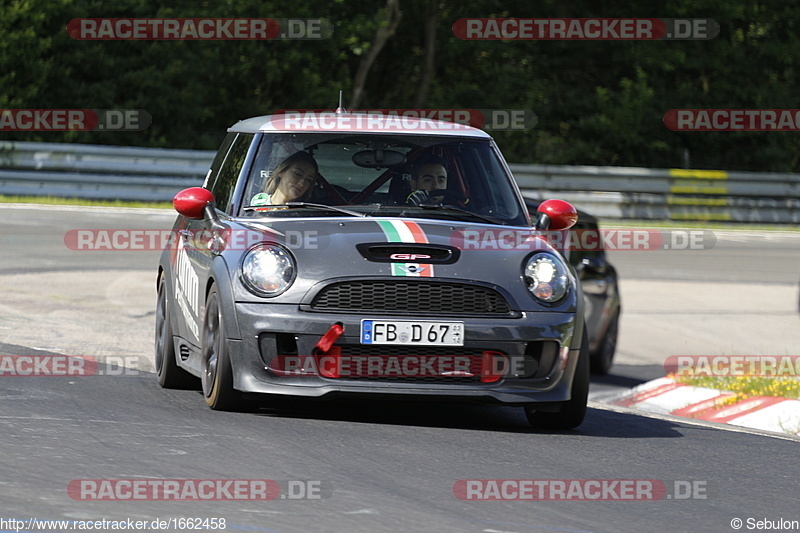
(345, 255)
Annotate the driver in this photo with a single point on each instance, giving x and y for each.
(429, 177)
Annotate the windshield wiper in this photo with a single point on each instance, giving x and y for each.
(310, 205)
(462, 211)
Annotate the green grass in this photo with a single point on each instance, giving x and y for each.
(49, 200)
(746, 386)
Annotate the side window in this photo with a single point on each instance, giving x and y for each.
(229, 173)
(211, 177)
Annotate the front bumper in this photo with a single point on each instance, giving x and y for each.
(542, 347)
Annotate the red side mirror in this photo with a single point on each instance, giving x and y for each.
(563, 215)
(191, 202)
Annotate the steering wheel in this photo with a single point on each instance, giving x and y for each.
(438, 197)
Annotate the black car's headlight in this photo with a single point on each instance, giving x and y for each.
(268, 269)
(547, 277)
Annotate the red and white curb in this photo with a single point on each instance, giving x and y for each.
(666, 396)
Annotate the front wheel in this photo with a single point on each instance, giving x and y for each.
(217, 374)
(572, 412)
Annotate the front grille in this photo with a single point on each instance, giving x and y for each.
(411, 297)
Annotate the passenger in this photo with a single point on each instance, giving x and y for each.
(293, 180)
(429, 176)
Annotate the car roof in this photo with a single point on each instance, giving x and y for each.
(357, 123)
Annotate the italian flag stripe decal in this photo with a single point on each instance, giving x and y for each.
(389, 231)
(410, 232)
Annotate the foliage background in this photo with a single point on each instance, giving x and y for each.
(598, 102)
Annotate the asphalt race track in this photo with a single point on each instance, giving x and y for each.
(382, 466)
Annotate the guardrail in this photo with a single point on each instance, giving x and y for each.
(156, 174)
(99, 172)
(667, 194)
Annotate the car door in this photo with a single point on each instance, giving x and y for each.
(184, 281)
(193, 256)
(194, 239)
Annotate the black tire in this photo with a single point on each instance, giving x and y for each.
(170, 375)
(572, 412)
(217, 375)
(603, 359)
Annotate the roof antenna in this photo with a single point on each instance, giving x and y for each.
(340, 110)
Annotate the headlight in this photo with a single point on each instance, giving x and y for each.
(546, 277)
(268, 269)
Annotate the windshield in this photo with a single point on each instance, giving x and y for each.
(375, 175)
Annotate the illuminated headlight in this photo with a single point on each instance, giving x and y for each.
(268, 269)
(546, 277)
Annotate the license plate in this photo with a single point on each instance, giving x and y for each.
(412, 332)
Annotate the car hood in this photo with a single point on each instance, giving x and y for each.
(336, 248)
